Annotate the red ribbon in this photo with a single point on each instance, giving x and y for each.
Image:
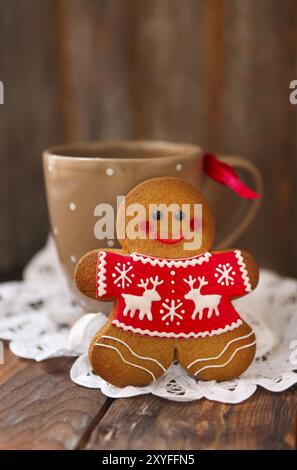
(225, 174)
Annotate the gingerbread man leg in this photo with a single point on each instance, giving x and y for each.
(221, 357)
(123, 358)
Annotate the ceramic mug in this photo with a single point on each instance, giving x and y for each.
(79, 176)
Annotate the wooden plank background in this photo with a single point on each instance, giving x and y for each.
(214, 72)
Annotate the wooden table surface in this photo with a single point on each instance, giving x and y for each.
(40, 408)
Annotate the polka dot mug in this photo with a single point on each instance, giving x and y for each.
(80, 176)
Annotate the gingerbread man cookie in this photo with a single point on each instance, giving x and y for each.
(172, 301)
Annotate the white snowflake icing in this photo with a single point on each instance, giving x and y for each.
(122, 279)
(225, 274)
(172, 311)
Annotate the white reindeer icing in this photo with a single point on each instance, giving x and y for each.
(210, 301)
(142, 303)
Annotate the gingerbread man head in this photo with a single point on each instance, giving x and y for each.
(174, 220)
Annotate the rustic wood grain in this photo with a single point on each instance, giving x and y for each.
(13, 365)
(169, 81)
(257, 121)
(94, 63)
(29, 121)
(40, 408)
(264, 421)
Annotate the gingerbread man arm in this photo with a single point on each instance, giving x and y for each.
(251, 267)
(85, 274)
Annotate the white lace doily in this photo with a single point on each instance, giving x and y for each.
(41, 320)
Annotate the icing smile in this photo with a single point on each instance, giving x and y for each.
(169, 241)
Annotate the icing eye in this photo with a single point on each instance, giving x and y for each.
(179, 215)
(157, 215)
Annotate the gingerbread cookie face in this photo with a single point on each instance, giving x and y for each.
(173, 207)
(170, 302)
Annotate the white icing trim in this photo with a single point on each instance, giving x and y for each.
(244, 273)
(101, 271)
(201, 334)
(178, 263)
(223, 365)
(222, 352)
(134, 353)
(124, 360)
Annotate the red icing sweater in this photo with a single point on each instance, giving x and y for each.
(177, 298)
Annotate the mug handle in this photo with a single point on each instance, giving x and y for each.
(239, 227)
